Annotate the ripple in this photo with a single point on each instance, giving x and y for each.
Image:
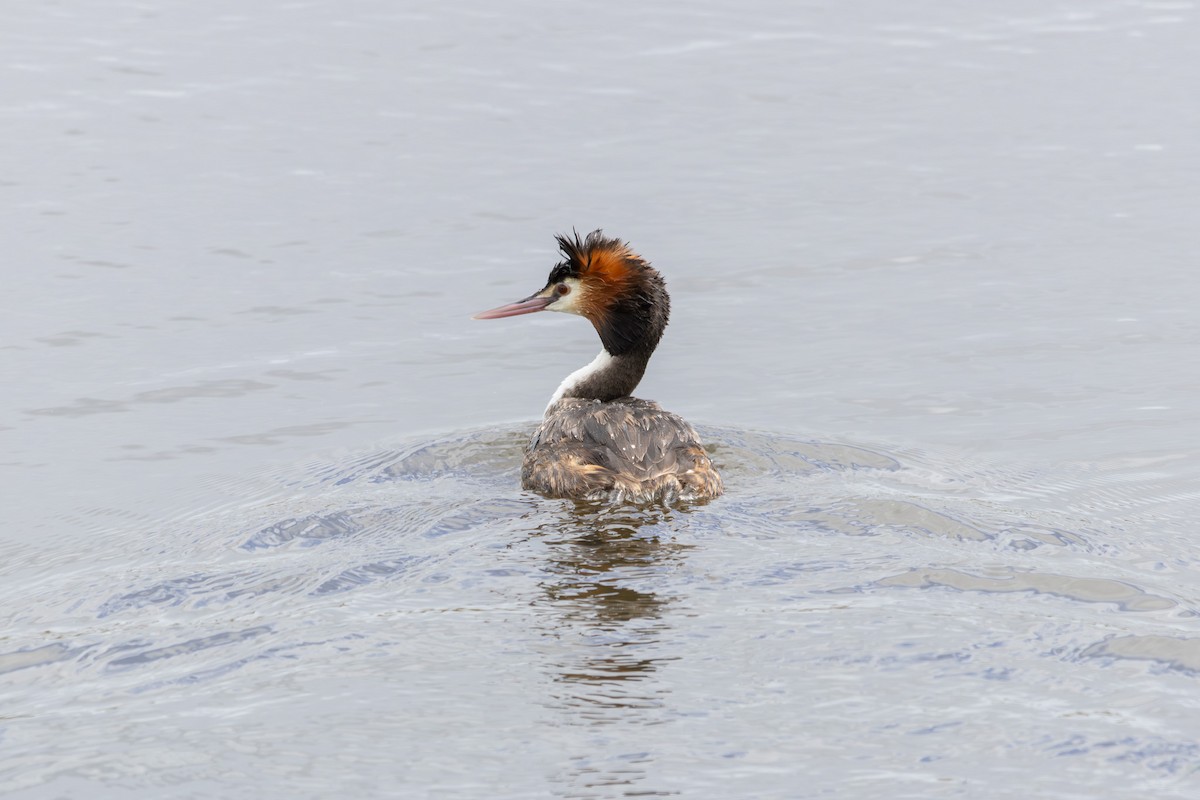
(188, 647)
(1007, 580)
(311, 529)
(1178, 652)
(366, 573)
(36, 657)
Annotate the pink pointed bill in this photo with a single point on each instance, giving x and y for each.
(526, 306)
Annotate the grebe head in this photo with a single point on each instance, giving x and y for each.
(602, 279)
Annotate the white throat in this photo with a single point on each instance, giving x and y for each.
(580, 375)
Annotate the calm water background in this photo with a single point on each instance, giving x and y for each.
(935, 309)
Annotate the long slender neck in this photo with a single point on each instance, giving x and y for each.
(606, 378)
(630, 328)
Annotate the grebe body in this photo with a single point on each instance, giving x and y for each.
(596, 441)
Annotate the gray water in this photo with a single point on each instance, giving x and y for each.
(933, 270)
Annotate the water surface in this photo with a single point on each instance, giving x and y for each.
(934, 313)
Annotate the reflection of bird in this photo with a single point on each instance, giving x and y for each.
(596, 441)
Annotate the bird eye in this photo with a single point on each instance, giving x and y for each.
(562, 289)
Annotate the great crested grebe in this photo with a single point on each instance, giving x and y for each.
(596, 442)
